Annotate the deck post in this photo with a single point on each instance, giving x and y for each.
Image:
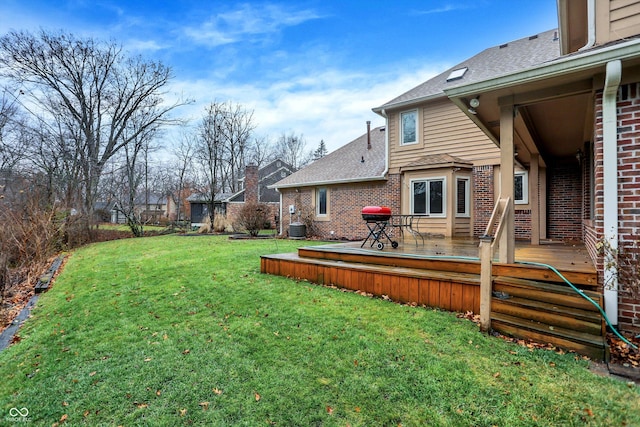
(508, 239)
(486, 281)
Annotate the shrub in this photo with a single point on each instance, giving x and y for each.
(252, 217)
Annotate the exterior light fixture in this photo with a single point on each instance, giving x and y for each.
(473, 104)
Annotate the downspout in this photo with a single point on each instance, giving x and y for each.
(610, 178)
(281, 217)
(386, 142)
(591, 25)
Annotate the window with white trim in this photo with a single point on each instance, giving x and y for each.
(428, 197)
(409, 127)
(462, 196)
(521, 188)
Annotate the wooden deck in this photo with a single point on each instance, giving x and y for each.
(445, 273)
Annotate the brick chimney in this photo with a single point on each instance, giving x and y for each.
(251, 184)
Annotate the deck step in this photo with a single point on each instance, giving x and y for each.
(586, 344)
(546, 292)
(574, 319)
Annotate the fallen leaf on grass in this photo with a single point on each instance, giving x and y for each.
(357, 409)
(148, 359)
(64, 418)
(187, 351)
(65, 404)
(329, 410)
(588, 412)
(496, 375)
(217, 391)
(204, 405)
(158, 392)
(183, 412)
(92, 373)
(140, 405)
(258, 397)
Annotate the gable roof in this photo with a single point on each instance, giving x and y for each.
(353, 162)
(437, 161)
(267, 175)
(496, 61)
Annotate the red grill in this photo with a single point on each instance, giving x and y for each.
(377, 219)
(376, 213)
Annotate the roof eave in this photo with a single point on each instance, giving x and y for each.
(329, 182)
(562, 66)
(408, 103)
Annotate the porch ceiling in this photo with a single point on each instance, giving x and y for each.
(552, 121)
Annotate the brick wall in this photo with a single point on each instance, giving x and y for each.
(523, 223)
(251, 183)
(345, 204)
(483, 198)
(628, 110)
(564, 202)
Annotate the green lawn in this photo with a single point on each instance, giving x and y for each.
(179, 330)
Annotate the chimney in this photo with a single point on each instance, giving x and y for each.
(251, 184)
(368, 135)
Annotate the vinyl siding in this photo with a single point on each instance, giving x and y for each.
(444, 130)
(617, 19)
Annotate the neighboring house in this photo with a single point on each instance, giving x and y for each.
(255, 187)
(200, 205)
(332, 190)
(152, 208)
(578, 115)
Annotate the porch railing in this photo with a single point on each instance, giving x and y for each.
(491, 236)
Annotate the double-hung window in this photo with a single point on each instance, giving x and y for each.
(428, 197)
(409, 127)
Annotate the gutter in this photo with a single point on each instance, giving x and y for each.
(329, 182)
(383, 113)
(610, 178)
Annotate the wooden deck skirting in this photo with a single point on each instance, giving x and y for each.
(436, 281)
(459, 292)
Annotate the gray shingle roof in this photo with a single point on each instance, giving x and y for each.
(344, 164)
(496, 61)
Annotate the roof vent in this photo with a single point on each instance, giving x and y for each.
(502, 46)
(533, 37)
(457, 74)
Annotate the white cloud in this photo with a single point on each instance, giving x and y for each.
(332, 106)
(247, 20)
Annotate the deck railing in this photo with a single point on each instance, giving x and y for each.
(492, 235)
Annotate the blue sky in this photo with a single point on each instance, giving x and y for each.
(313, 67)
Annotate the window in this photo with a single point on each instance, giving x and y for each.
(408, 127)
(521, 188)
(321, 202)
(462, 197)
(427, 197)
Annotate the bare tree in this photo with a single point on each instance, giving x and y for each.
(184, 153)
(95, 87)
(291, 148)
(261, 151)
(210, 148)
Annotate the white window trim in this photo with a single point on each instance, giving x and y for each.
(444, 195)
(467, 197)
(402, 127)
(525, 187)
